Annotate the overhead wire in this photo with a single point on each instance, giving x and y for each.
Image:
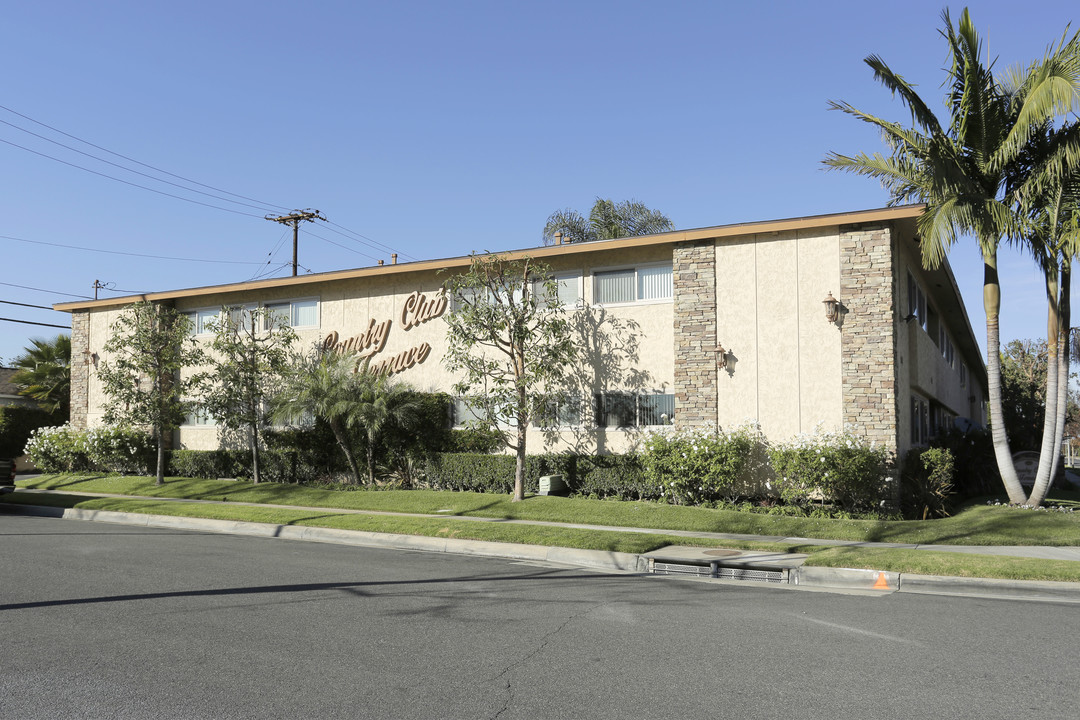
(31, 322)
(344, 247)
(130, 254)
(128, 182)
(137, 162)
(41, 307)
(137, 172)
(51, 292)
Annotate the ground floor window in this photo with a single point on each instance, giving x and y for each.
(624, 410)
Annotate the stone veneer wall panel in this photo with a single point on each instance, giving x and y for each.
(694, 274)
(80, 368)
(867, 292)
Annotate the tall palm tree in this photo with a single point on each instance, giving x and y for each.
(1048, 194)
(961, 169)
(44, 373)
(607, 220)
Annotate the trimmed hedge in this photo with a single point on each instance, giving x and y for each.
(602, 476)
(17, 423)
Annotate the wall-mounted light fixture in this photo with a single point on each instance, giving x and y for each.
(725, 359)
(832, 308)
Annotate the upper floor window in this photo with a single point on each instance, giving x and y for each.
(917, 301)
(642, 284)
(567, 289)
(945, 344)
(294, 313)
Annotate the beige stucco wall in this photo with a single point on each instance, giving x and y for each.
(627, 346)
(769, 292)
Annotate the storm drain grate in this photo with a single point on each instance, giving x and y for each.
(724, 573)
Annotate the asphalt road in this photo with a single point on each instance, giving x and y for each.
(109, 621)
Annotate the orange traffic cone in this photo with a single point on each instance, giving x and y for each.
(882, 583)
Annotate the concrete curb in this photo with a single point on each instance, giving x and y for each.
(805, 577)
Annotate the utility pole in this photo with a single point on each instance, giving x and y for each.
(294, 219)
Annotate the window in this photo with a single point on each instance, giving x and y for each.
(568, 288)
(201, 320)
(621, 410)
(644, 284)
(200, 417)
(945, 344)
(561, 412)
(920, 420)
(916, 301)
(963, 375)
(293, 313)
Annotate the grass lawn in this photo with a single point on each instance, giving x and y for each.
(975, 525)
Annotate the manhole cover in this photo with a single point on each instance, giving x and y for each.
(723, 553)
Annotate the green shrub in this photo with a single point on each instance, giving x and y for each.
(474, 440)
(834, 467)
(120, 449)
(60, 448)
(311, 453)
(926, 488)
(688, 467)
(474, 472)
(618, 477)
(17, 423)
(975, 467)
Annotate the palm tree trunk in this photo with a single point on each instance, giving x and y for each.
(1060, 369)
(339, 435)
(992, 306)
(1049, 442)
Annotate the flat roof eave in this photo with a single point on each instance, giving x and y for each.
(718, 231)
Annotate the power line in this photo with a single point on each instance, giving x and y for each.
(374, 244)
(295, 218)
(28, 322)
(42, 307)
(137, 172)
(130, 254)
(125, 157)
(127, 182)
(343, 247)
(51, 292)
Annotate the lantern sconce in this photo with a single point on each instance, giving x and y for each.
(832, 308)
(725, 359)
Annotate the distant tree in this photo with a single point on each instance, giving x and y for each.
(44, 374)
(149, 348)
(607, 220)
(251, 352)
(509, 343)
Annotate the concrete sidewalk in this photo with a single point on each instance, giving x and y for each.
(701, 563)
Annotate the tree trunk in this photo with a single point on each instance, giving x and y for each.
(339, 435)
(255, 474)
(160, 457)
(522, 422)
(992, 306)
(371, 459)
(1049, 442)
(1057, 372)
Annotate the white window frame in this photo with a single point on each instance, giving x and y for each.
(637, 284)
(292, 303)
(638, 410)
(918, 304)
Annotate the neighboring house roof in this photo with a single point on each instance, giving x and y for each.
(9, 393)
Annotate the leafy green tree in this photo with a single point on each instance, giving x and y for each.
(251, 353)
(509, 343)
(961, 169)
(44, 374)
(379, 404)
(607, 220)
(143, 374)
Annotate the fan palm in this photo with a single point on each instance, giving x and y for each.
(961, 170)
(44, 373)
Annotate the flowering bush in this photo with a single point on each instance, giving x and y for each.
(692, 466)
(60, 448)
(111, 448)
(831, 466)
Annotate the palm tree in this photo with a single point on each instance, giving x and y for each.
(379, 404)
(44, 373)
(350, 398)
(960, 170)
(607, 220)
(1049, 196)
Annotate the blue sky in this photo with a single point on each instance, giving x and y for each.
(435, 129)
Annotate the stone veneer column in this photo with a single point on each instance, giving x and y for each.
(80, 367)
(868, 337)
(694, 274)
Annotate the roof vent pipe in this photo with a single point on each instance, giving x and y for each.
(558, 238)
(393, 259)
(380, 262)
